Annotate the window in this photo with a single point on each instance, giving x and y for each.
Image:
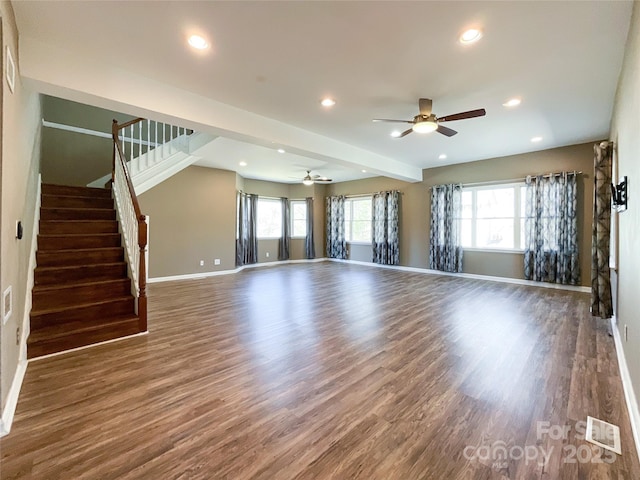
(493, 217)
(357, 220)
(298, 218)
(269, 217)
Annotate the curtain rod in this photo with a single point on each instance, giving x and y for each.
(514, 180)
(360, 195)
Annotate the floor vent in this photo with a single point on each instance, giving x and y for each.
(603, 434)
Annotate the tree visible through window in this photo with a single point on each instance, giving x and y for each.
(269, 218)
(357, 215)
(298, 218)
(493, 217)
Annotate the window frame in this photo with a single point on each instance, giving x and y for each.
(518, 219)
(292, 219)
(348, 226)
(270, 200)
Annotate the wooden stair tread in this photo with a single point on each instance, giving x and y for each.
(54, 332)
(46, 311)
(76, 267)
(48, 288)
(63, 235)
(70, 250)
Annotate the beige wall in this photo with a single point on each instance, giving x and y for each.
(416, 204)
(21, 115)
(191, 218)
(71, 158)
(625, 132)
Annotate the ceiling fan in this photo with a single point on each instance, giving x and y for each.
(311, 179)
(426, 121)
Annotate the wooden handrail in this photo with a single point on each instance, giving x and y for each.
(141, 219)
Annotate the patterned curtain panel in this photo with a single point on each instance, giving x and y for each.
(285, 234)
(309, 244)
(551, 231)
(385, 228)
(601, 303)
(246, 236)
(445, 249)
(336, 243)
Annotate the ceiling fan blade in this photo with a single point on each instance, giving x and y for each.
(425, 106)
(462, 115)
(323, 180)
(405, 133)
(390, 120)
(446, 131)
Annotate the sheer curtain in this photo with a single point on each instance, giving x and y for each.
(285, 232)
(336, 242)
(551, 231)
(246, 237)
(309, 244)
(445, 249)
(385, 228)
(601, 302)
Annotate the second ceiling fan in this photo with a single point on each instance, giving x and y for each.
(426, 121)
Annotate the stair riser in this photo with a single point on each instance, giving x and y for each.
(81, 273)
(53, 201)
(54, 259)
(48, 189)
(94, 314)
(78, 227)
(80, 339)
(76, 214)
(66, 297)
(46, 242)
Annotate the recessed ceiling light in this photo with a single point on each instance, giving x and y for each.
(536, 139)
(281, 150)
(243, 164)
(364, 171)
(396, 133)
(470, 36)
(196, 41)
(328, 102)
(512, 102)
(442, 156)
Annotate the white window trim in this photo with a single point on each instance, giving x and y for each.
(291, 202)
(266, 199)
(351, 199)
(516, 219)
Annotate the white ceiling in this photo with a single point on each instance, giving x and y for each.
(274, 61)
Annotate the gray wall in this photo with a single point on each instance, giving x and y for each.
(71, 158)
(416, 204)
(21, 116)
(625, 132)
(192, 217)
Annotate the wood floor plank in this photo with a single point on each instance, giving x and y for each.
(330, 371)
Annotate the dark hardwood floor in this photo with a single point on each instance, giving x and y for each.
(331, 371)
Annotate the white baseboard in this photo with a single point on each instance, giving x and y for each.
(629, 394)
(199, 276)
(12, 398)
(516, 281)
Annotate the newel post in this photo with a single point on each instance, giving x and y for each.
(142, 273)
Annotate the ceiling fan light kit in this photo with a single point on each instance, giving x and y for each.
(426, 121)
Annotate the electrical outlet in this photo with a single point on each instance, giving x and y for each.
(216, 261)
(267, 254)
(626, 332)
(18, 336)
(202, 263)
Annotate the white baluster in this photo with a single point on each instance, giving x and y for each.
(155, 148)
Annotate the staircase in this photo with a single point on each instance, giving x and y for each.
(82, 294)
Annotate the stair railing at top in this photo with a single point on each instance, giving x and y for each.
(132, 222)
(151, 141)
